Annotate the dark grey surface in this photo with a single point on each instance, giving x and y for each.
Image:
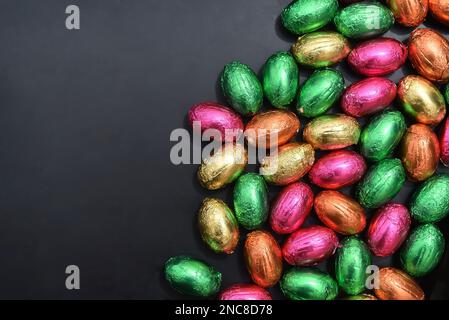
(85, 119)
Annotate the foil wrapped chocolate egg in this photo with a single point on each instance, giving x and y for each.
(218, 226)
(409, 13)
(305, 16)
(192, 277)
(440, 10)
(245, 292)
(320, 49)
(242, 88)
(291, 208)
(368, 96)
(263, 258)
(308, 284)
(395, 284)
(289, 164)
(429, 54)
(444, 142)
(382, 134)
(351, 263)
(423, 250)
(420, 152)
(272, 128)
(388, 229)
(363, 296)
(430, 201)
(381, 183)
(421, 100)
(223, 167)
(280, 79)
(331, 132)
(309, 246)
(211, 115)
(320, 92)
(378, 57)
(337, 169)
(340, 212)
(364, 20)
(251, 201)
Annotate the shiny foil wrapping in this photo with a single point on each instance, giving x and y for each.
(320, 92)
(440, 10)
(242, 88)
(363, 296)
(429, 54)
(309, 246)
(340, 212)
(388, 229)
(364, 20)
(382, 182)
(395, 284)
(251, 201)
(332, 131)
(320, 49)
(291, 207)
(368, 96)
(409, 13)
(423, 250)
(378, 57)
(280, 79)
(263, 258)
(305, 16)
(430, 201)
(444, 142)
(245, 291)
(351, 262)
(308, 284)
(192, 277)
(218, 226)
(212, 115)
(281, 125)
(338, 169)
(292, 162)
(223, 167)
(421, 100)
(420, 152)
(382, 134)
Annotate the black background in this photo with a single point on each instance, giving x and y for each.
(85, 120)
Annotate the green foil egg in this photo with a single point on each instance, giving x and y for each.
(303, 16)
(351, 261)
(446, 94)
(364, 20)
(423, 250)
(382, 135)
(192, 277)
(242, 88)
(320, 92)
(381, 183)
(430, 202)
(280, 79)
(251, 201)
(308, 284)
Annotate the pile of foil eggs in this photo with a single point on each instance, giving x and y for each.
(398, 142)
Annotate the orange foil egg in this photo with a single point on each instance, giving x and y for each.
(429, 54)
(409, 13)
(340, 212)
(395, 284)
(420, 152)
(263, 258)
(440, 10)
(272, 128)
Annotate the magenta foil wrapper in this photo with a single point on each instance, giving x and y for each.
(444, 142)
(245, 292)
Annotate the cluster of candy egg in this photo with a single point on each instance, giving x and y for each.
(377, 175)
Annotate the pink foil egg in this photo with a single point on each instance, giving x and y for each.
(309, 246)
(212, 115)
(291, 208)
(388, 229)
(378, 57)
(444, 143)
(368, 96)
(245, 291)
(338, 169)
